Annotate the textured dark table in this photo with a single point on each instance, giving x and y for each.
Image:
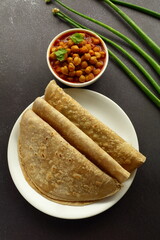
(27, 26)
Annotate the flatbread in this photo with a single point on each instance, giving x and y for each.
(58, 170)
(125, 154)
(79, 140)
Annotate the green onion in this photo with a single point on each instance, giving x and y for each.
(130, 57)
(136, 79)
(154, 99)
(147, 57)
(138, 8)
(133, 60)
(140, 32)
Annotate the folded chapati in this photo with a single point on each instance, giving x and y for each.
(79, 140)
(126, 155)
(56, 169)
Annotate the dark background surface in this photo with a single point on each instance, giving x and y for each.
(27, 27)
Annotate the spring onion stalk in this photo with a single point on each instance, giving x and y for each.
(130, 57)
(136, 63)
(154, 99)
(138, 8)
(147, 57)
(140, 32)
(135, 79)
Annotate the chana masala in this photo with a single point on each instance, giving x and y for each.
(77, 57)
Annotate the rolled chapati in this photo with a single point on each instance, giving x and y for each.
(125, 154)
(79, 140)
(56, 169)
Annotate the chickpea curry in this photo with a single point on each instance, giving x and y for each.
(77, 57)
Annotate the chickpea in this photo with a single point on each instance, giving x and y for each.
(96, 71)
(61, 44)
(74, 48)
(52, 56)
(84, 64)
(83, 34)
(75, 55)
(93, 60)
(53, 49)
(65, 56)
(83, 58)
(83, 49)
(88, 69)
(87, 56)
(77, 61)
(89, 77)
(68, 50)
(96, 49)
(91, 52)
(103, 54)
(98, 54)
(99, 64)
(95, 40)
(72, 73)
(70, 43)
(59, 47)
(89, 46)
(64, 70)
(71, 67)
(92, 67)
(69, 59)
(79, 73)
(82, 78)
(82, 43)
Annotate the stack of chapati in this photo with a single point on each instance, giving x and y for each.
(68, 155)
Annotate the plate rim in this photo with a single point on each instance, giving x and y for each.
(13, 171)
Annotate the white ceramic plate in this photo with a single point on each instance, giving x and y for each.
(108, 112)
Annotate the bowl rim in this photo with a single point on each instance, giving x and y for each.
(71, 84)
